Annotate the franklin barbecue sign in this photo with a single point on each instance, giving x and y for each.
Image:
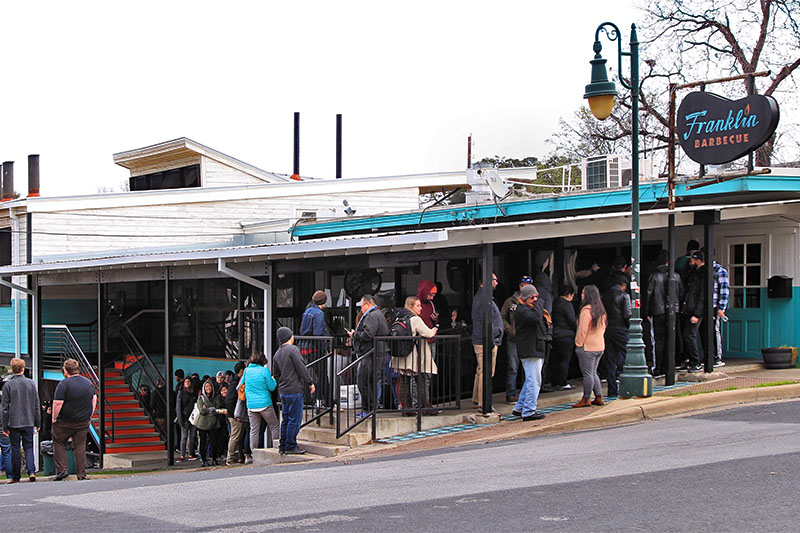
(714, 130)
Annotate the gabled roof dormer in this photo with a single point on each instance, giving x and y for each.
(183, 163)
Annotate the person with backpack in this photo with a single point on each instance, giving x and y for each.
(408, 361)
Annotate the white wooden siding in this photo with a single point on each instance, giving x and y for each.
(154, 226)
(217, 174)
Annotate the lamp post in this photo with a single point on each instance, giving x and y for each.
(635, 380)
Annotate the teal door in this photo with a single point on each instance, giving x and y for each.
(743, 334)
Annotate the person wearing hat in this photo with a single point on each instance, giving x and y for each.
(507, 312)
(692, 310)
(313, 324)
(530, 336)
(293, 378)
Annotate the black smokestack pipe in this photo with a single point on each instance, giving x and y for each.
(338, 146)
(8, 181)
(33, 175)
(296, 169)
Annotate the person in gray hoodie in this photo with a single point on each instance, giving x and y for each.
(22, 417)
(293, 378)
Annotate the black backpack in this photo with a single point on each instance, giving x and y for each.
(401, 327)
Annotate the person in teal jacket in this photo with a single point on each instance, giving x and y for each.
(258, 383)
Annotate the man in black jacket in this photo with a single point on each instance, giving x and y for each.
(371, 325)
(618, 309)
(692, 311)
(529, 324)
(564, 327)
(659, 300)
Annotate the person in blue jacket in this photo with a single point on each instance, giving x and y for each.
(258, 383)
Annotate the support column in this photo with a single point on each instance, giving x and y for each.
(168, 375)
(488, 345)
(669, 377)
(101, 372)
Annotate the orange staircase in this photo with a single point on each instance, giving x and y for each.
(133, 430)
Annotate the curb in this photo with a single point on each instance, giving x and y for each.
(664, 407)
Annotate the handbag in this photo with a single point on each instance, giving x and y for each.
(240, 393)
(195, 416)
(240, 412)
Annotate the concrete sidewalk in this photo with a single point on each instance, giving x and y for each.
(742, 377)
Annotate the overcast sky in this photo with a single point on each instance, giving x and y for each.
(83, 80)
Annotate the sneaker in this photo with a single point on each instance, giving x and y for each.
(61, 476)
(535, 416)
(511, 400)
(32, 478)
(193, 458)
(545, 389)
(248, 460)
(181, 459)
(82, 478)
(604, 380)
(683, 366)
(696, 368)
(296, 451)
(659, 376)
(516, 413)
(566, 387)
(718, 364)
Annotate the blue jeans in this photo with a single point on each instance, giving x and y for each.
(292, 416)
(25, 435)
(513, 367)
(529, 395)
(5, 455)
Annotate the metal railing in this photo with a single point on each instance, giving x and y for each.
(58, 345)
(318, 353)
(417, 377)
(351, 405)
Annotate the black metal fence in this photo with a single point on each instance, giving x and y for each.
(413, 376)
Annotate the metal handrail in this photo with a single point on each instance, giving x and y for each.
(369, 415)
(324, 345)
(69, 348)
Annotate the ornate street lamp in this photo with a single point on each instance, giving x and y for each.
(635, 379)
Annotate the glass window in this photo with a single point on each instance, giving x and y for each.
(738, 253)
(177, 178)
(745, 268)
(596, 175)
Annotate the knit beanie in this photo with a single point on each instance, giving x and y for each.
(284, 334)
(319, 298)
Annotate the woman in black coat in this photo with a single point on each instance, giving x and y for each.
(184, 403)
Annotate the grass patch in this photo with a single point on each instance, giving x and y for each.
(775, 383)
(120, 472)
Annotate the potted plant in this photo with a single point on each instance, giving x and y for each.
(780, 357)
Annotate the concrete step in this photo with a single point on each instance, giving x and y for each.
(390, 424)
(135, 460)
(354, 438)
(270, 456)
(321, 449)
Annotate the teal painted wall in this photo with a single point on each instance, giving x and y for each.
(775, 323)
(202, 366)
(7, 327)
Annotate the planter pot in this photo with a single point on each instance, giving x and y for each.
(778, 357)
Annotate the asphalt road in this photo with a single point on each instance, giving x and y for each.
(730, 470)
